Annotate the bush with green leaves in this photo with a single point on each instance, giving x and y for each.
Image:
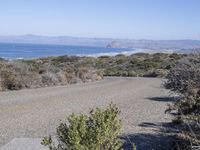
(184, 80)
(99, 130)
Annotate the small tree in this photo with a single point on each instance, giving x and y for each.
(98, 131)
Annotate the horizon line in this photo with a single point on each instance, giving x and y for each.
(92, 37)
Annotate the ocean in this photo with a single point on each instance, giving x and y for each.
(29, 51)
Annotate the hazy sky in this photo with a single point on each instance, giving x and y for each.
(149, 19)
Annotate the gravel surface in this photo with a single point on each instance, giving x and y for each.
(35, 113)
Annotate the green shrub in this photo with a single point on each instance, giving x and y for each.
(98, 131)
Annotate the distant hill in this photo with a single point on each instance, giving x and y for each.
(104, 42)
(156, 44)
(55, 40)
(114, 44)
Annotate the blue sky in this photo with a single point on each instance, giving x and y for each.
(135, 19)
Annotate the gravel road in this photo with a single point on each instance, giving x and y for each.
(35, 113)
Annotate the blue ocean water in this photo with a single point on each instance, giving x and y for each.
(27, 51)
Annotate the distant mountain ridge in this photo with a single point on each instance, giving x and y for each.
(56, 40)
(103, 42)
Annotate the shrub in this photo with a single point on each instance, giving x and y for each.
(42, 72)
(64, 70)
(98, 131)
(156, 73)
(9, 81)
(184, 80)
(184, 75)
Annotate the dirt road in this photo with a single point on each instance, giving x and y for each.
(35, 113)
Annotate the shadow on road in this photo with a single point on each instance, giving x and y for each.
(160, 139)
(162, 99)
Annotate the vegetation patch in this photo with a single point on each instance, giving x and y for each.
(184, 81)
(63, 70)
(99, 130)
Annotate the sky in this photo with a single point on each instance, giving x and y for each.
(132, 19)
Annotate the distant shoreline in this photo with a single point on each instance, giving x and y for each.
(16, 51)
(109, 54)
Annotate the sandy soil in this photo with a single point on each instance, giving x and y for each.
(36, 112)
